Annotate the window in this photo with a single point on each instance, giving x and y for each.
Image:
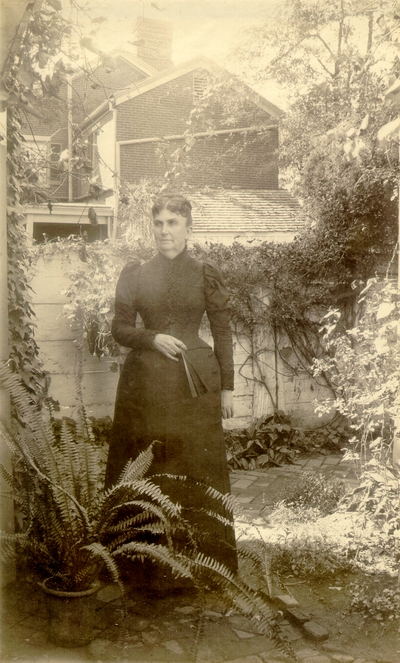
(35, 149)
(41, 153)
(54, 157)
(200, 84)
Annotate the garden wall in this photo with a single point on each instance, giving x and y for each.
(293, 392)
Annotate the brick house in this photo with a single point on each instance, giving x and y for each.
(131, 117)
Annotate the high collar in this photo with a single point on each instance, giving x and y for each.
(172, 261)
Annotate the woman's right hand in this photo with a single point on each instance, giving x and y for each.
(169, 345)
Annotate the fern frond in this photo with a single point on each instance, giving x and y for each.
(213, 514)
(154, 492)
(253, 557)
(228, 500)
(90, 472)
(149, 511)
(244, 597)
(8, 478)
(136, 469)
(158, 553)
(98, 550)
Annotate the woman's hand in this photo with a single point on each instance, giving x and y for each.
(168, 345)
(227, 403)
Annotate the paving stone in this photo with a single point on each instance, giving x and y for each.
(186, 609)
(139, 624)
(132, 638)
(214, 616)
(246, 659)
(305, 653)
(243, 634)
(289, 633)
(150, 638)
(319, 658)
(314, 463)
(174, 646)
(101, 649)
(242, 623)
(109, 593)
(332, 460)
(315, 631)
(297, 615)
(286, 601)
(207, 655)
(245, 499)
(330, 647)
(343, 658)
(242, 484)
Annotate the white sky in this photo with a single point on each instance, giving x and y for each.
(201, 27)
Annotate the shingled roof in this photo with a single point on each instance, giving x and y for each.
(246, 211)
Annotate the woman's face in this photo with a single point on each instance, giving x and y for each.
(170, 232)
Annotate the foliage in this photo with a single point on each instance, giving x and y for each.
(92, 284)
(374, 602)
(280, 289)
(74, 527)
(378, 496)
(296, 554)
(332, 61)
(268, 442)
(357, 211)
(364, 368)
(312, 558)
(24, 351)
(335, 61)
(312, 490)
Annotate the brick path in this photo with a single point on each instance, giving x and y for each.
(256, 490)
(162, 630)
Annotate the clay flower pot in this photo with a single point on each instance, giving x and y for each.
(71, 615)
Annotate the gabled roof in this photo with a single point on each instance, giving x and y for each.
(163, 77)
(245, 211)
(186, 67)
(134, 61)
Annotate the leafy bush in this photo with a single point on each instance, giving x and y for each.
(269, 441)
(378, 496)
(363, 368)
(374, 602)
(307, 557)
(299, 555)
(312, 490)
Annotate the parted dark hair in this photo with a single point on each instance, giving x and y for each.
(175, 203)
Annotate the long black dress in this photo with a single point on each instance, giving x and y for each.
(154, 400)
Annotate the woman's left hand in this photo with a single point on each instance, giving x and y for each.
(227, 403)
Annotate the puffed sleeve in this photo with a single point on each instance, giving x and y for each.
(219, 315)
(123, 327)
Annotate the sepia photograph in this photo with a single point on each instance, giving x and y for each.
(200, 331)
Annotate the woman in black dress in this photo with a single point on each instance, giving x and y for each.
(173, 386)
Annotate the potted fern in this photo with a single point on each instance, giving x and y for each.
(74, 529)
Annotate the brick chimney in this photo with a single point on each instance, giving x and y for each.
(153, 40)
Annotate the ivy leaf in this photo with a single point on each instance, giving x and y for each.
(26, 77)
(384, 310)
(387, 130)
(43, 59)
(56, 4)
(364, 123)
